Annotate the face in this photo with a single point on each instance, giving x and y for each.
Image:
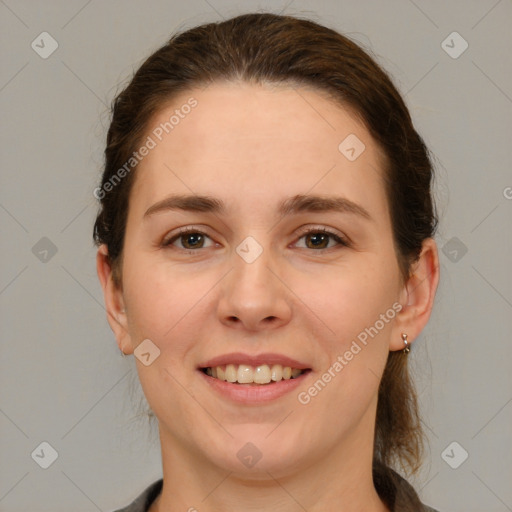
(264, 278)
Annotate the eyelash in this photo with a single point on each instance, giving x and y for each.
(342, 241)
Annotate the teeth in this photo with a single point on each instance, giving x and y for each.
(231, 373)
(221, 374)
(262, 375)
(246, 374)
(277, 372)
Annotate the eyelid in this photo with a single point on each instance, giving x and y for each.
(172, 237)
(340, 238)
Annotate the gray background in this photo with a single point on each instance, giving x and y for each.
(62, 379)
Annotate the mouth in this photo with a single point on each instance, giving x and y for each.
(249, 375)
(253, 379)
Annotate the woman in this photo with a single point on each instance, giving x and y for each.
(266, 252)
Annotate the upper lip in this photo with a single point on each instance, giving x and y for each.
(254, 360)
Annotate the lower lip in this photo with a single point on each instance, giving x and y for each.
(249, 394)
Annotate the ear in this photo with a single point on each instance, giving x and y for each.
(417, 296)
(114, 301)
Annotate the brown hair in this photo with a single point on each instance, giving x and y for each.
(270, 48)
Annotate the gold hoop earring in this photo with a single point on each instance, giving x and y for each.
(406, 350)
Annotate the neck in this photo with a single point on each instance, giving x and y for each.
(340, 481)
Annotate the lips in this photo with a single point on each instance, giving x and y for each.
(253, 378)
(239, 358)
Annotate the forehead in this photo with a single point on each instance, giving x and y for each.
(259, 140)
(249, 117)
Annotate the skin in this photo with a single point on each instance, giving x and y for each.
(253, 146)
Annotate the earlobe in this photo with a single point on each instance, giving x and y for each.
(114, 302)
(417, 297)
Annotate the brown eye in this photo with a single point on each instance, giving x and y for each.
(320, 238)
(192, 240)
(189, 240)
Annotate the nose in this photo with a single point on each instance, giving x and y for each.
(253, 295)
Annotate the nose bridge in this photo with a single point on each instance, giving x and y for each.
(253, 294)
(252, 262)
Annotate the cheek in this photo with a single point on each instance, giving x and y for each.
(165, 302)
(347, 300)
(152, 299)
(361, 312)
(151, 305)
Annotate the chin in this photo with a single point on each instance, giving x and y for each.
(255, 451)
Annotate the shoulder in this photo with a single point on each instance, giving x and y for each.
(144, 500)
(398, 494)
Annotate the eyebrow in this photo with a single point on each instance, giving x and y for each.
(293, 205)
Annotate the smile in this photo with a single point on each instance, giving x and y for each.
(256, 375)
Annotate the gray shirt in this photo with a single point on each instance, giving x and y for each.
(396, 492)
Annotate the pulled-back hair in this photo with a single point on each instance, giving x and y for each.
(276, 49)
